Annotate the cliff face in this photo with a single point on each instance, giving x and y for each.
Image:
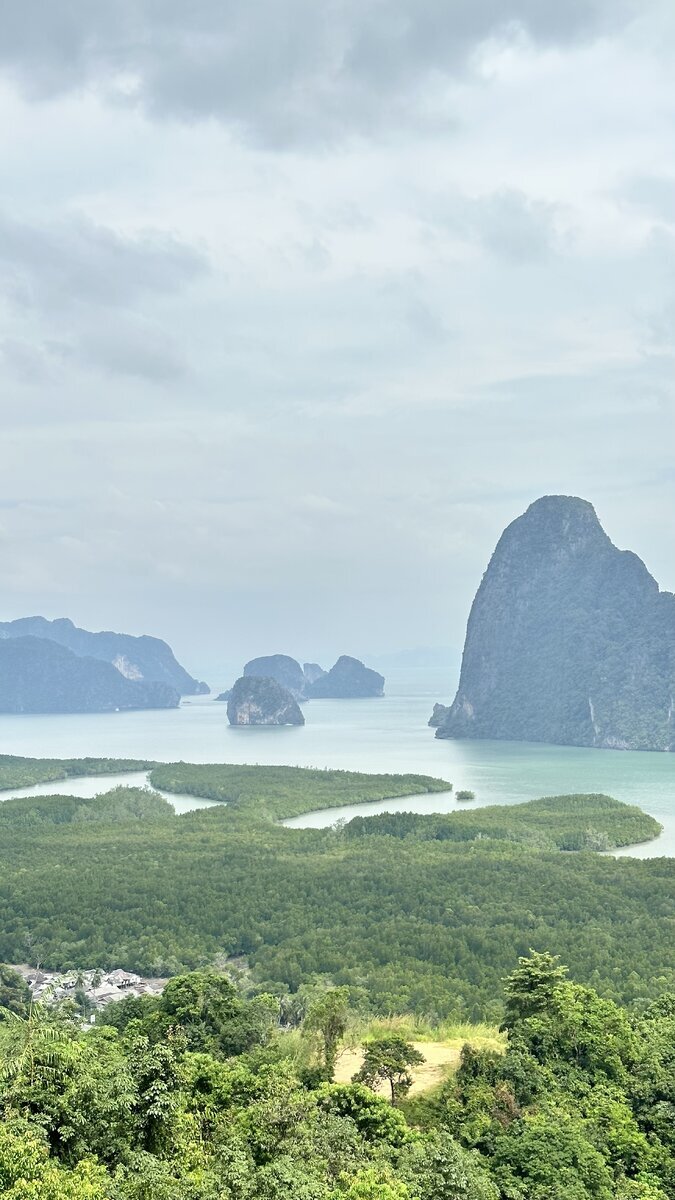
(136, 658)
(312, 672)
(256, 700)
(569, 640)
(39, 676)
(348, 679)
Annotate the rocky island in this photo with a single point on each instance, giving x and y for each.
(40, 676)
(260, 700)
(348, 679)
(569, 640)
(281, 667)
(143, 659)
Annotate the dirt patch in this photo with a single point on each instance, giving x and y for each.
(441, 1058)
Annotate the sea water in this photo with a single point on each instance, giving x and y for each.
(388, 734)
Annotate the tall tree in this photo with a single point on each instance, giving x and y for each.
(388, 1060)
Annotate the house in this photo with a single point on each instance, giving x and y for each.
(106, 993)
(123, 979)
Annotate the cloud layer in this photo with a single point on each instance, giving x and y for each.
(301, 304)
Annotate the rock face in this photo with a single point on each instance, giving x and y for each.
(39, 676)
(312, 672)
(256, 700)
(285, 670)
(136, 658)
(569, 640)
(348, 679)
(439, 715)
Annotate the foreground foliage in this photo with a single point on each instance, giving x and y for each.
(197, 1095)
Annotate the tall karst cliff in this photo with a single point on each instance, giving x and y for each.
(569, 640)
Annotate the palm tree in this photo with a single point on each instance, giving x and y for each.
(32, 1043)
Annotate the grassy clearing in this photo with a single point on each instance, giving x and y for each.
(441, 1044)
(424, 1029)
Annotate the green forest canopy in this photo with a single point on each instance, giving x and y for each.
(198, 1094)
(423, 914)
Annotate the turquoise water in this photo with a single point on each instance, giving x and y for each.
(388, 734)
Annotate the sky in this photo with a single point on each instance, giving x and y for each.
(301, 304)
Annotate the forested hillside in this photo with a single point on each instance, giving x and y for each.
(207, 1094)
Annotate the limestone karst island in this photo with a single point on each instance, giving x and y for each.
(569, 640)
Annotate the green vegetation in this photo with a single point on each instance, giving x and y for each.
(200, 1095)
(556, 822)
(422, 915)
(281, 792)
(387, 1060)
(465, 794)
(16, 772)
(117, 806)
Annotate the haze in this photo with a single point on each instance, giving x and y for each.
(301, 304)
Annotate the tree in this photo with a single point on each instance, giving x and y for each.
(373, 1183)
(31, 1043)
(548, 1156)
(437, 1168)
(328, 1016)
(376, 1121)
(27, 1173)
(156, 1078)
(14, 992)
(530, 988)
(388, 1059)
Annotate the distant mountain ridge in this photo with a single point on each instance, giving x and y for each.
(141, 659)
(40, 676)
(569, 640)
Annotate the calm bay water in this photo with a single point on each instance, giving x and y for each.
(382, 735)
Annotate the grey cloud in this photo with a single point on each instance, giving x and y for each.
(515, 226)
(655, 194)
(76, 261)
(284, 72)
(135, 348)
(24, 361)
(507, 223)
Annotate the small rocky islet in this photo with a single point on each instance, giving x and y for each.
(262, 700)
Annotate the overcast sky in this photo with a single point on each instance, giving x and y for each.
(302, 302)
